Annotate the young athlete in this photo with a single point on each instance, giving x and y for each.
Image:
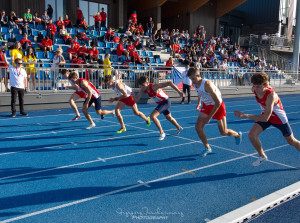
(93, 96)
(125, 98)
(213, 108)
(156, 92)
(272, 114)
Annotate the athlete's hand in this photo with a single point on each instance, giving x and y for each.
(198, 108)
(64, 85)
(182, 95)
(111, 100)
(238, 114)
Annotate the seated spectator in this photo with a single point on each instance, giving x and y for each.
(83, 52)
(130, 47)
(27, 17)
(94, 56)
(68, 22)
(62, 31)
(109, 35)
(175, 49)
(60, 24)
(76, 61)
(12, 20)
(198, 63)
(45, 19)
(25, 42)
(120, 49)
(128, 33)
(72, 51)
(46, 45)
(135, 58)
(51, 29)
(37, 19)
(137, 44)
(170, 63)
(150, 43)
(31, 71)
(75, 41)
(140, 29)
(3, 19)
(26, 29)
(83, 24)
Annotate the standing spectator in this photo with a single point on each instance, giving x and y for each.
(46, 45)
(17, 52)
(107, 65)
(45, 19)
(187, 83)
(103, 17)
(98, 19)
(50, 11)
(51, 29)
(79, 16)
(18, 84)
(264, 39)
(133, 18)
(30, 61)
(68, 22)
(28, 17)
(3, 19)
(150, 26)
(170, 63)
(58, 61)
(25, 42)
(3, 68)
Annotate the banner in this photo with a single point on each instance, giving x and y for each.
(178, 75)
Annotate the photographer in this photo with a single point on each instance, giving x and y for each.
(3, 67)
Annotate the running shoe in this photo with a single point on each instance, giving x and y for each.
(162, 136)
(238, 140)
(102, 116)
(148, 121)
(91, 126)
(178, 131)
(76, 118)
(23, 114)
(13, 115)
(121, 130)
(205, 151)
(259, 161)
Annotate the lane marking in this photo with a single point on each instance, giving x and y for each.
(99, 158)
(188, 171)
(110, 138)
(142, 151)
(145, 184)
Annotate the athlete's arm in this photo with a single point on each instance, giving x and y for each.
(199, 104)
(139, 95)
(271, 99)
(155, 87)
(212, 91)
(121, 88)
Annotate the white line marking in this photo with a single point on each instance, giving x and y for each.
(99, 158)
(142, 182)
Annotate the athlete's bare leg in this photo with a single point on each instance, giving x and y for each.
(120, 105)
(104, 112)
(200, 129)
(74, 97)
(173, 121)
(253, 136)
(293, 141)
(138, 113)
(87, 115)
(154, 118)
(222, 124)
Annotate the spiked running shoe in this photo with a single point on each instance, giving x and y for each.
(76, 118)
(238, 140)
(148, 121)
(121, 130)
(205, 151)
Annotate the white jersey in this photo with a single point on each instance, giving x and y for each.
(127, 89)
(205, 97)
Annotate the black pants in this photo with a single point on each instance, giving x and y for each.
(187, 88)
(14, 92)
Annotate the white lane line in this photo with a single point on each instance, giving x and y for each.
(120, 190)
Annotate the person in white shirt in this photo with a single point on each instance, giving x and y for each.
(18, 84)
(187, 83)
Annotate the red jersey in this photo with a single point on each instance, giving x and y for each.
(130, 48)
(109, 34)
(77, 45)
(94, 53)
(133, 18)
(60, 23)
(278, 115)
(140, 29)
(82, 51)
(79, 14)
(22, 41)
(159, 97)
(67, 22)
(97, 18)
(73, 51)
(2, 61)
(95, 92)
(169, 64)
(83, 24)
(136, 56)
(52, 28)
(103, 16)
(47, 42)
(120, 49)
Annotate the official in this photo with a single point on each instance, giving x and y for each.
(187, 83)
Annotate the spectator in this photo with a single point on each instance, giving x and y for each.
(138, 45)
(150, 43)
(68, 22)
(50, 11)
(175, 49)
(79, 16)
(264, 39)
(37, 19)
(58, 61)
(198, 63)
(103, 17)
(135, 58)
(109, 35)
(17, 52)
(75, 40)
(45, 19)
(98, 20)
(18, 84)
(3, 19)
(3, 68)
(26, 29)
(84, 25)
(51, 29)
(46, 45)
(63, 32)
(60, 24)
(28, 17)
(130, 47)
(140, 29)
(133, 18)
(83, 53)
(12, 20)
(72, 51)
(107, 65)
(170, 63)
(94, 55)
(30, 61)
(120, 48)
(150, 26)
(187, 83)
(25, 42)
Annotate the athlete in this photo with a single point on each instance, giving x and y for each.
(213, 108)
(93, 96)
(125, 98)
(158, 95)
(272, 114)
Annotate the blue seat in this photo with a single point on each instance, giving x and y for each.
(115, 58)
(108, 51)
(44, 32)
(158, 60)
(40, 27)
(103, 29)
(150, 54)
(122, 58)
(31, 26)
(55, 47)
(59, 41)
(35, 32)
(109, 45)
(4, 30)
(102, 33)
(50, 55)
(46, 65)
(95, 33)
(152, 60)
(40, 55)
(72, 31)
(16, 31)
(80, 30)
(144, 54)
(65, 49)
(19, 37)
(101, 44)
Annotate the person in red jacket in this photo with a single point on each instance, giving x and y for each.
(120, 49)
(98, 19)
(68, 22)
(25, 42)
(140, 29)
(75, 41)
(60, 24)
(79, 16)
(130, 47)
(46, 45)
(103, 16)
(83, 24)
(72, 52)
(135, 58)
(110, 35)
(94, 55)
(133, 18)
(83, 52)
(51, 29)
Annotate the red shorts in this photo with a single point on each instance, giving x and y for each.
(221, 112)
(129, 101)
(81, 94)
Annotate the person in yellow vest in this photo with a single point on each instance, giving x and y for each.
(30, 61)
(16, 53)
(107, 65)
